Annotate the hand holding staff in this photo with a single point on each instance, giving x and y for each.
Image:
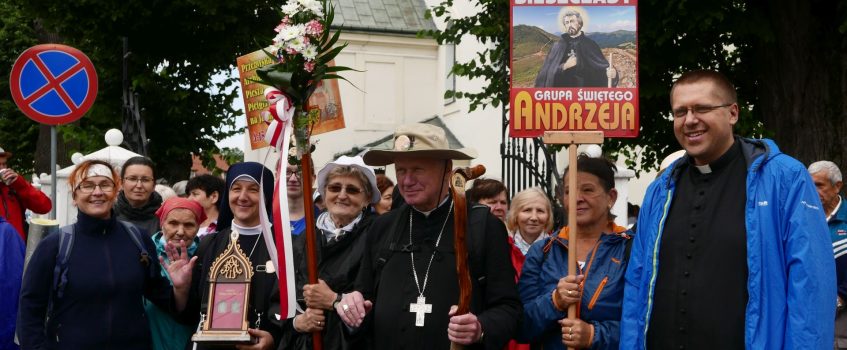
(460, 219)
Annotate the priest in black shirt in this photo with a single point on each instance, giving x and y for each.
(407, 288)
(732, 249)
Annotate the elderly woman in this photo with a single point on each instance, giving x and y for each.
(386, 190)
(240, 211)
(547, 290)
(83, 287)
(530, 218)
(349, 187)
(180, 219)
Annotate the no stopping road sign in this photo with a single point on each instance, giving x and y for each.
(53, 84)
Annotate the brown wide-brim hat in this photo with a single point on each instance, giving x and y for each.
(5, 154)
(418, 140)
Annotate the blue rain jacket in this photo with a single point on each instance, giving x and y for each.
(789, 255)
(11, 269)
(602, 291)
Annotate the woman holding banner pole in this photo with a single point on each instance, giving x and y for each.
(547, 290)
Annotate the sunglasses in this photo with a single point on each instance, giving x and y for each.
(350, 189)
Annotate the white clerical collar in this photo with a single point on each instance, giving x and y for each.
(247, 231)
(830, 215)
(704, 169)
(426, 213)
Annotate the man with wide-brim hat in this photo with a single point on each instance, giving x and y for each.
(407, 287)
(17, 196)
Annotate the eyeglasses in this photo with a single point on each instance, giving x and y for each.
(88, 187)
(697, 110)
(135, 180)
(350, 189)
(288, 173)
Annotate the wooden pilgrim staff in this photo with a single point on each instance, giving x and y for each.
(573, 139)
(311, 258)
(460, 219)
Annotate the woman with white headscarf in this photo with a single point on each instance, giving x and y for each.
(240, 210)
(348, 187)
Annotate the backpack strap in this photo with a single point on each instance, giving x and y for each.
(627, 248)
(137, 238)
(60, 269)
(475, 241)
(386, 251)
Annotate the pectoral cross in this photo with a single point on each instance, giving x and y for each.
(419, 309)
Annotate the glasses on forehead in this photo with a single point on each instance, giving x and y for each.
(88, 187)
(135, 179)
(697, 110)
(350, 189)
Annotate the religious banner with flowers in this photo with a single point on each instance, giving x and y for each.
(302, 52)
(326, 99)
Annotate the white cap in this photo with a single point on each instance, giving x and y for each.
(355, 162)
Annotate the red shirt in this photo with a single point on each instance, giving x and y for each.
(19, 196)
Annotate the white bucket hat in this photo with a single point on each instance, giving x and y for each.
(355, 162)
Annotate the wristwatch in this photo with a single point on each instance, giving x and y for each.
(337, 300)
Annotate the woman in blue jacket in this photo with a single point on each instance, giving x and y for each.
(547, 290)
(89, 295)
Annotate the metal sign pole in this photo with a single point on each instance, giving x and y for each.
(53, 169)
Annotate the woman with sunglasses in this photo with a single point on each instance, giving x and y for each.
(348, 187)
(83, 287)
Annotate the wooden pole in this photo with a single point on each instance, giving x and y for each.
(572, 227)
(573, 139)
(460, 219)
(308, 208)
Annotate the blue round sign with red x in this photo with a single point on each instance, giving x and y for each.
(53, 84)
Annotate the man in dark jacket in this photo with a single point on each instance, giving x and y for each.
(407, 283)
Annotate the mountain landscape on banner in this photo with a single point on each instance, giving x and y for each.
(531, 44)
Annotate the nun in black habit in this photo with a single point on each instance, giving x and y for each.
(239, 210)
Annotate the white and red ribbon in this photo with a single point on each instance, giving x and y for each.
(278, 136)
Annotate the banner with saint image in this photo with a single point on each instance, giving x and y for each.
(574, 67)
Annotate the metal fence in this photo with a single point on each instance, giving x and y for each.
(526, 162)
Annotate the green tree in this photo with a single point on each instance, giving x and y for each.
(17, 132)
(176, 48)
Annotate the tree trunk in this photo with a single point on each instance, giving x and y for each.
(801, 72)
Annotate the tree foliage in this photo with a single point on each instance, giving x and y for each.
(785, 57)
(177, 47)
(18, 133)
(491, 27)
